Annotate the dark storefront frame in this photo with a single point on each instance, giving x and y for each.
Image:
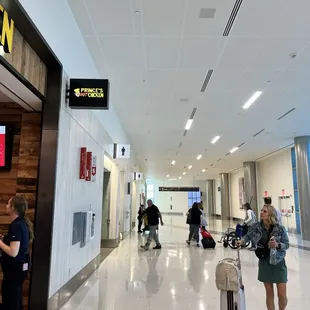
(44, 211)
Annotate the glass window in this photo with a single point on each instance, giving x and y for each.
(150, 191)
(150, 195)
(193, 197)
(150, 187)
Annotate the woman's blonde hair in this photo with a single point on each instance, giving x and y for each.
(273, 217)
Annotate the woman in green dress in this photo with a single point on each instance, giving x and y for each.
(270, 241)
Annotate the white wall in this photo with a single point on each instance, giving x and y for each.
(274, 174)
(178, 200)
(217, 196)
(76, 129)
(234, 194)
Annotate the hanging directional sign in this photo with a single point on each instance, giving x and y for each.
(121, 151)
(138, 176)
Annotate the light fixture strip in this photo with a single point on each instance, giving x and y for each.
(199, 157)
(234, 150)
(255, 96)
(189, 124)
(215, 139)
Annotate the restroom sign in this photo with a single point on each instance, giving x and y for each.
(121, 151)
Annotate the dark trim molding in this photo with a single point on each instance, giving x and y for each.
(110, 243)
(44, 214)
(66, 292)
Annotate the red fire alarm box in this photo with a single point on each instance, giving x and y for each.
(88, 166)
(83, 163)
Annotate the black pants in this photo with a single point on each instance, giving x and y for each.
(12, 287)
(140, 223)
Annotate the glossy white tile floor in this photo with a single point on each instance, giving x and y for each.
(179, 277)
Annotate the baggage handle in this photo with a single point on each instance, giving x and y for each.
(239, 266)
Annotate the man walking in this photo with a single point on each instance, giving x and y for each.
(153, 216)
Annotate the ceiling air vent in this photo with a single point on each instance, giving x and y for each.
(184, 133)
(183, 100)
(207, 13)
(258, 133)
(241, 144)
(180, 144)
(207, 80)
(219, 159)
(285, 114)
(232, 17)
(227, 154)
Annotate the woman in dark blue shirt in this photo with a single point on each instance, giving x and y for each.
(15, 253)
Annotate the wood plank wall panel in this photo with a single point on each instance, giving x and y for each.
(28, 160)
(11, 113)
(22, 178)
(28, 63)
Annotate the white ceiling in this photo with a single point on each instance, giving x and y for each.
(162, 55)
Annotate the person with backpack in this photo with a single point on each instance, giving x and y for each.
(194, 220)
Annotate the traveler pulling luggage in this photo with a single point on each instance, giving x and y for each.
(207, 240)
(228, 280)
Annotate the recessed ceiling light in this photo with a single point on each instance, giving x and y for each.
(234, 150)
(172, 179)
(184, 173)
(255, 96)
(215, 139)
(180, 178)
(168, 175)
(203, 170)
(189, 124)
(190, 167)
(199, 157)
(173, 162)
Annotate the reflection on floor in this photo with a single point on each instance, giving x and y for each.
(104, 253)
(180, 277)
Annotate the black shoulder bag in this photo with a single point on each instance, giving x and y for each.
(264, 252)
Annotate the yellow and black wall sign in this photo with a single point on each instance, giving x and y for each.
(92, 94)
(6, 30)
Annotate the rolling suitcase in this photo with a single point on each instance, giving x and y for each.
(207, 239)
(228, 279)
